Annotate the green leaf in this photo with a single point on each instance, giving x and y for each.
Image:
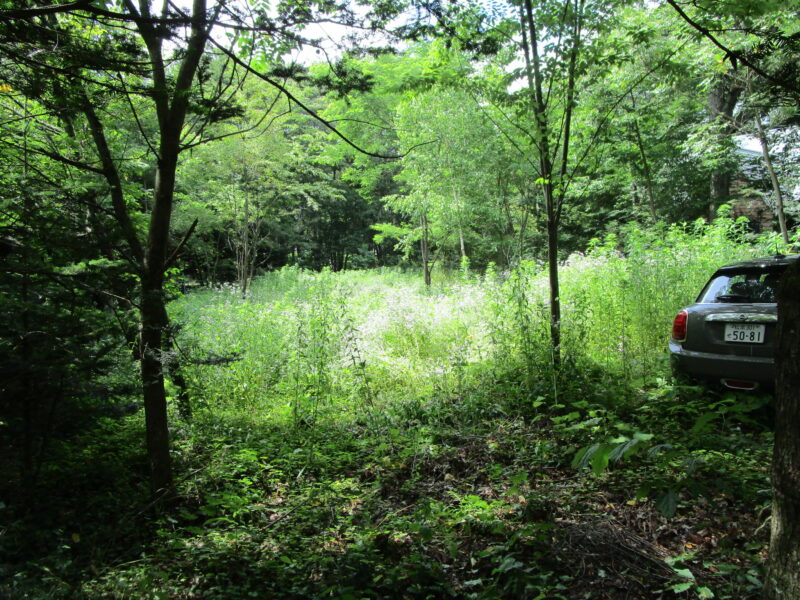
(702, 424)
(568, 417)
(754, 580)
(600, 458)
(578, 461)
(681, 587)
(659, 449)
(667, 504)
(704, 592)
(685, 573)
(509, 563)
(596, 455)
(624, 450)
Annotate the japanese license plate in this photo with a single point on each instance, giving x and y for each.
(747, 333)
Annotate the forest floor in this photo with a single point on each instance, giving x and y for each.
(455, 475)
(458, 499)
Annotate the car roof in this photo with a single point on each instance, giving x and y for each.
(779, 260)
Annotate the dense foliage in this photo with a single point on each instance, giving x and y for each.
(391, 319)
(357, 433)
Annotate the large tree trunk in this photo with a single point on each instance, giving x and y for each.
(155, 399)
(154, 314)
(171, 102)
(721, 103)
(783, 568)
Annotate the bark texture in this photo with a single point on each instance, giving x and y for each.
(171, 103)
(721, 103)
(783, 568)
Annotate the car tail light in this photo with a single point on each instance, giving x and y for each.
(679, 326)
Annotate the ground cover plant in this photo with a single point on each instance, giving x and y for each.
(358, 435)
(458, 232)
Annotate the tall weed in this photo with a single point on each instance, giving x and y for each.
(309, 340)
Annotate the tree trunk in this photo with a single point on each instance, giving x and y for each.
(648, 178)
(762, 137)
(552, 273)
(245, 249)
(553, 181)
(783, 568)
(425, 251)
(457, 204)
(539, 109)
(171, 102)
(154, 315)
(155, 398)
(25, 320)
(721, 102)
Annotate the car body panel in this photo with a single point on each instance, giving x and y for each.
(742, 296)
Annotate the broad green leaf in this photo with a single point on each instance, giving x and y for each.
(667, 504)
(600, 458)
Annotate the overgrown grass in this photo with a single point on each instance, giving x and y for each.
(305, 340)
(356, 435)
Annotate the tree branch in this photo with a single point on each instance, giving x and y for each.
(111, 173)
(181, 244)
(307, 109)
(28, 13)
(733, 55)
(57, 157)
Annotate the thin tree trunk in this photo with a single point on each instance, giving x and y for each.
(554, 191)
(25, 320)
(648, 178)
(523, 228)
(552, 274)
(425, 251)
(151, 260)
(762, 137)
(534, 76)
(153, 316)
(783, 568)
(460, 227)
(244, 264)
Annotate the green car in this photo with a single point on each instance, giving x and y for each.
(728, 335)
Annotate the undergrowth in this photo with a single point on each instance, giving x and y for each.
(355, 435)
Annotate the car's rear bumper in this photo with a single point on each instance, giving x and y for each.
(719, 367)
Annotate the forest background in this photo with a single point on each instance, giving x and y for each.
(386, 317)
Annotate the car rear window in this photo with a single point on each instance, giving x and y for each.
(742, 287)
